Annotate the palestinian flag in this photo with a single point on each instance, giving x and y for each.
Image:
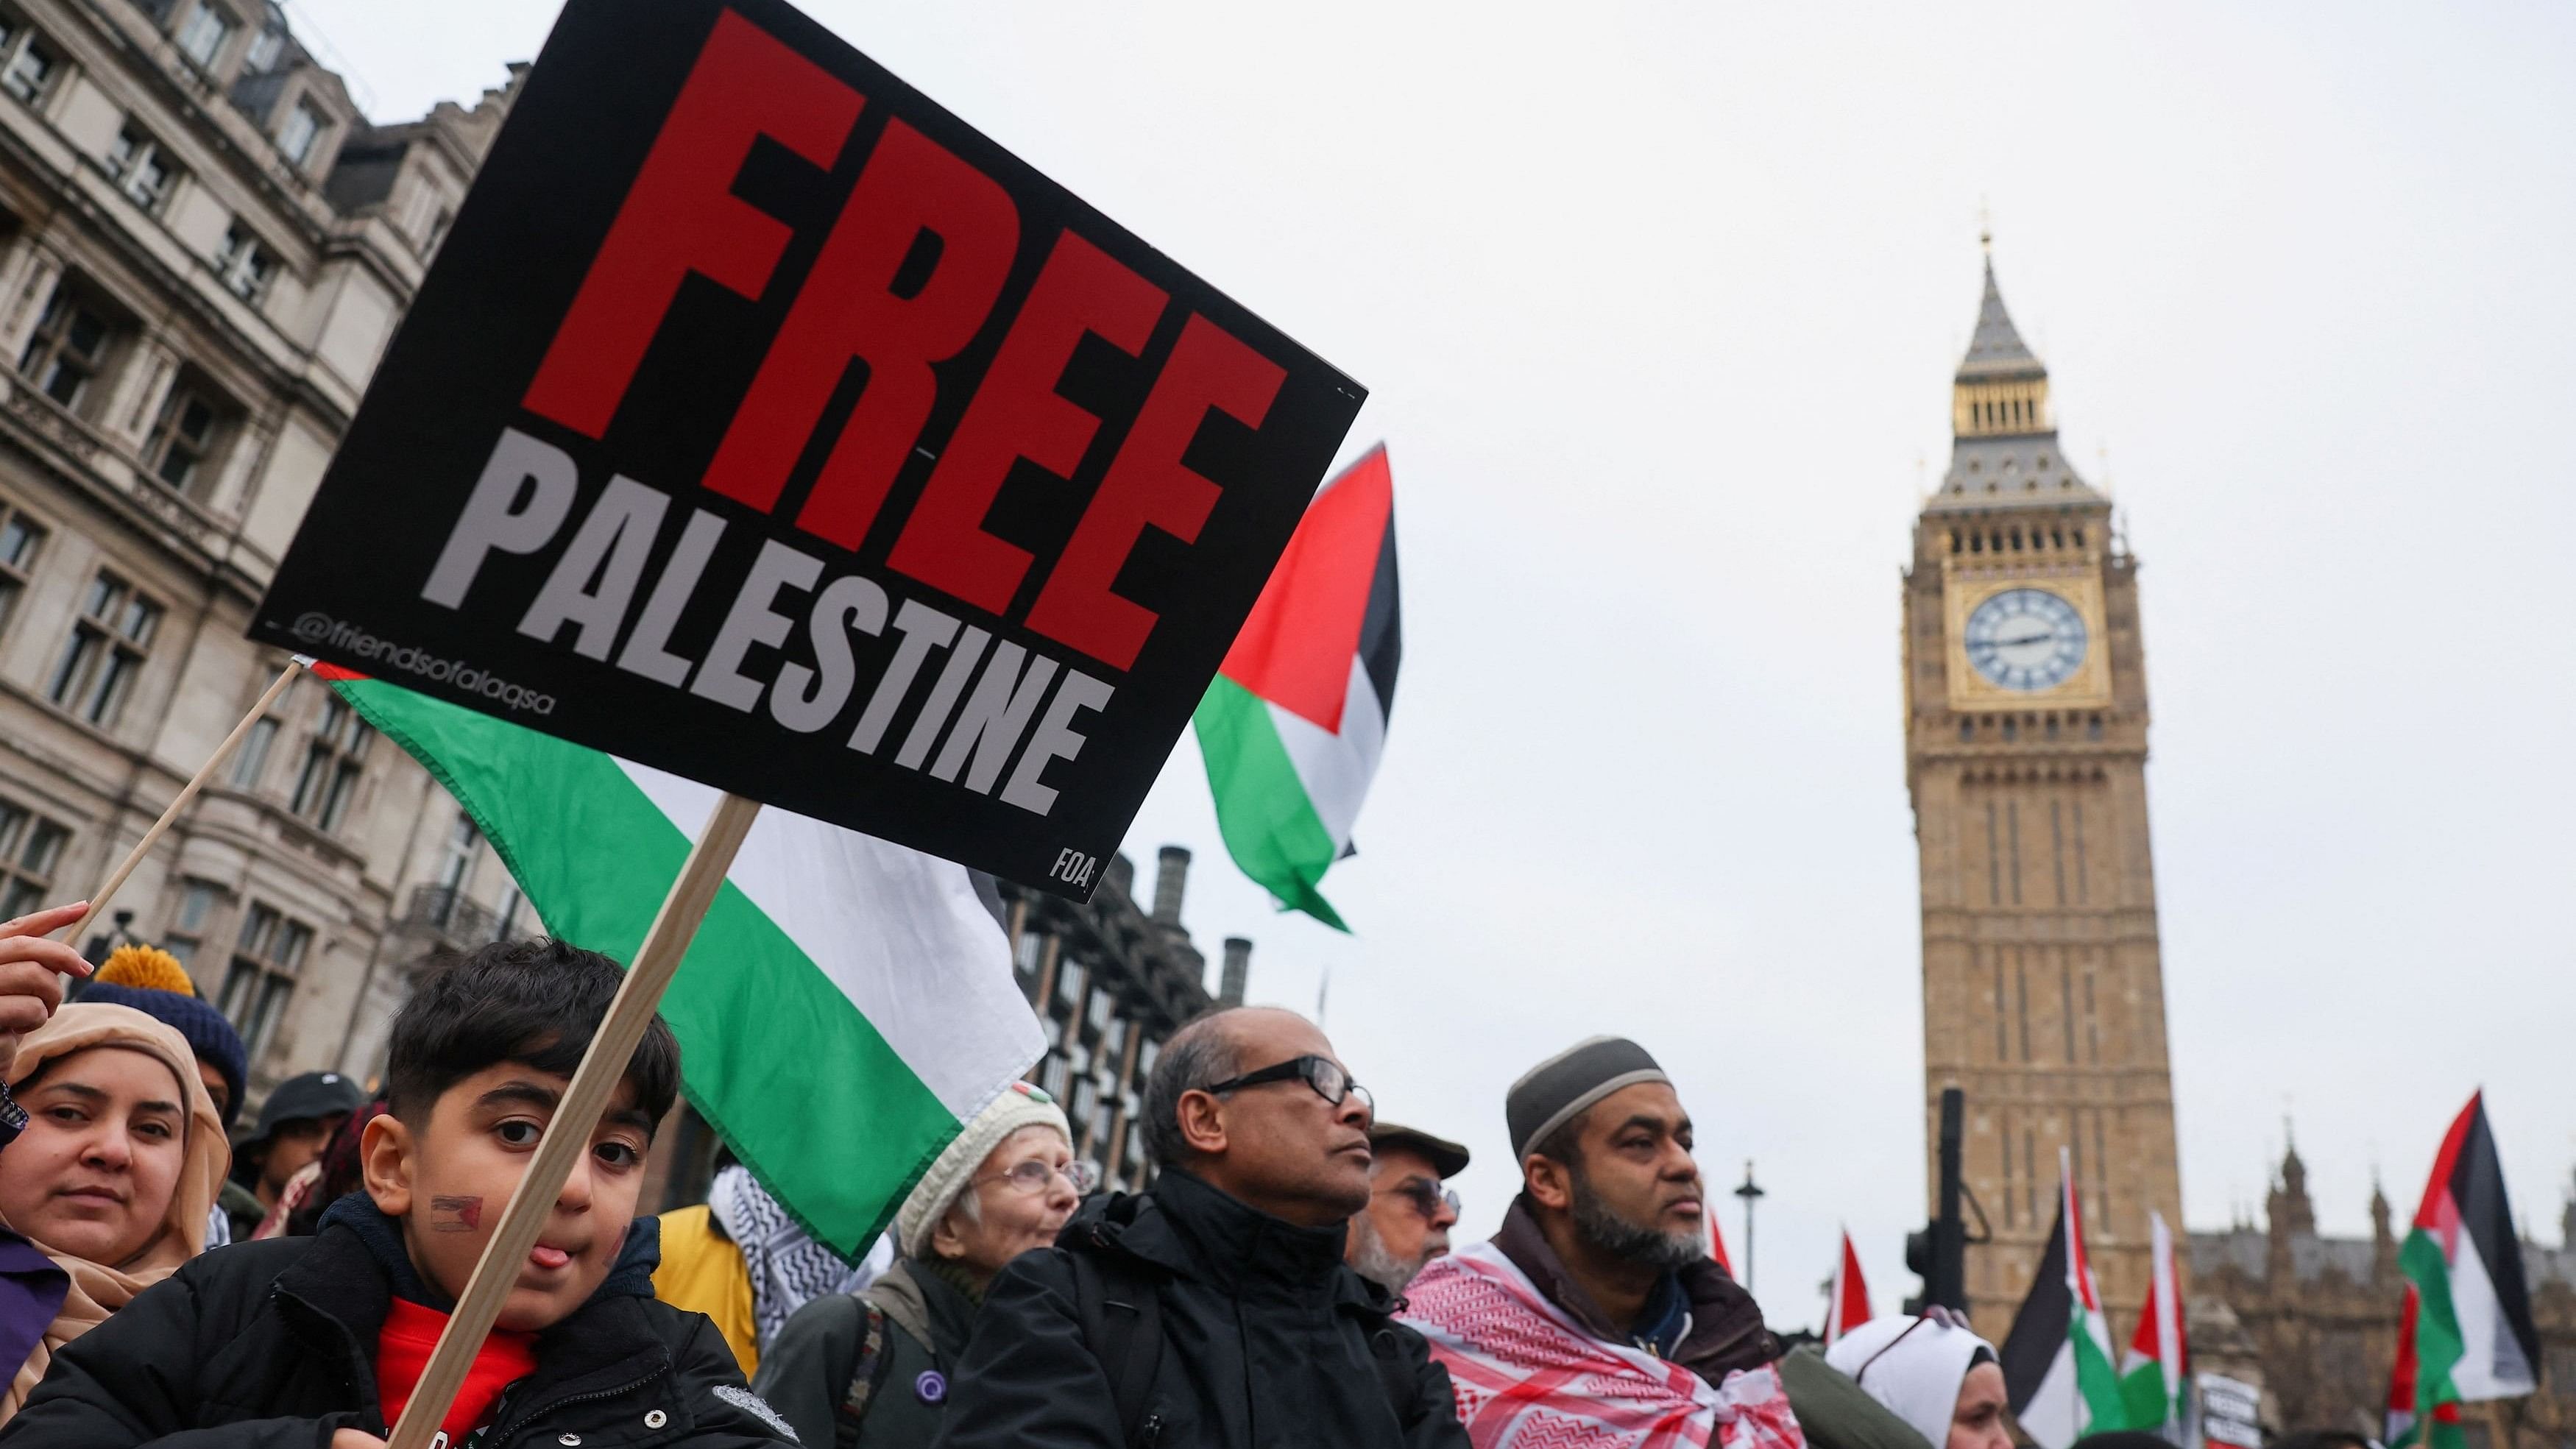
(847, 1003)
(1293, 724)
(2400, 1432)
(1847, 1297)
(2057, 1358)
(2468, 1329)
(2154, 1372)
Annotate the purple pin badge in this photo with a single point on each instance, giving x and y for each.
(931, 1387)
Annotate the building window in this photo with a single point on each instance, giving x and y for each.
(265, 48)
(332, 764)
(143, 171)
(1052, 1075)
(456, 867)
(265, 963)
(437, 232)
(181, 438)
(203, 33)
(21, 539)
(297, 133)
(197, 901)
(69, 346)
(30, 846)
(1070, 978)
(244, 264)
(1101, 1004)
(505, 921)
(109, 644)
(31, 65)
(252, 762)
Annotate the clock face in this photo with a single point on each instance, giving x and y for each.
(2025, 639)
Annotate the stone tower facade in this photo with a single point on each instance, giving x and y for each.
(2026, 751)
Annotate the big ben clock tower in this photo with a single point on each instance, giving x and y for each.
(2026, 752)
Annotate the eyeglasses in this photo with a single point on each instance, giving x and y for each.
(1323, 1074)
(1427, 1197)
(1033, 1177)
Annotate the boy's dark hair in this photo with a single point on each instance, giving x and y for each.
(537, 1002)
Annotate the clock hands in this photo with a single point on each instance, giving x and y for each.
(2041, 637)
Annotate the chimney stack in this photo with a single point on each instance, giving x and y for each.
(1171, 877)
(1238, 965)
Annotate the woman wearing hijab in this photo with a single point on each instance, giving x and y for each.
(112, 1177)
(1933, 1373)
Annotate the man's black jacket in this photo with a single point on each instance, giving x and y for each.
(1268, 1341)
(272, 1345)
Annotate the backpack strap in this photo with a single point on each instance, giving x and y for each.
(1120, 1310)
(866, 1370)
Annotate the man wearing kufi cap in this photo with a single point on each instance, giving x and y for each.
(1573, 1321)
(1407, 1221)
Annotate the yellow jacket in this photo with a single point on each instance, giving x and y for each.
(702, 1272)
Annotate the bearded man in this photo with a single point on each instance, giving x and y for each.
(1596, 1312)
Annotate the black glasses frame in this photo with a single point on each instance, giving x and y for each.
(1307, 1069)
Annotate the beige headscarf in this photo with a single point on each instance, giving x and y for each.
(99, 1289)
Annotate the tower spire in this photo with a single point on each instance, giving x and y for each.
(2006, 436)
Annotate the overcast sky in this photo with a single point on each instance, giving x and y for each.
(1659, 305)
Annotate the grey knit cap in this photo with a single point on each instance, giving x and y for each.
(1553, 1092)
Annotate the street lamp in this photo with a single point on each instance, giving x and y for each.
(1751, 1193)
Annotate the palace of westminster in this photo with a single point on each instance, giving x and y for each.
(204, 248)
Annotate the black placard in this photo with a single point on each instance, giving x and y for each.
(762, 422)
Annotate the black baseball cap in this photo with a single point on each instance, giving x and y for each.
(310, 1097)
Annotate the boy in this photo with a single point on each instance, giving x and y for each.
(316, 1343)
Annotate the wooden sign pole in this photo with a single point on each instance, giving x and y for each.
(187, 792)
(568, 1134)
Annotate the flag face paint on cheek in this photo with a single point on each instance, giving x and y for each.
(455, 1214)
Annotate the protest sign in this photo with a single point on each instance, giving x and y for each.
(762, 422)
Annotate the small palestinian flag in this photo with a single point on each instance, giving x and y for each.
(1847, 1297)
(2057, 1358)
(2158, 1365)
(2400, 1432)
(2468, 1329)
(1293, 724)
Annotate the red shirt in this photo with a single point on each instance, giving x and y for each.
(411, 1332)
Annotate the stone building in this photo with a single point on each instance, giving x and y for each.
(2313, 1320)
(2026, 749)
(204, 248)
(1111, 981)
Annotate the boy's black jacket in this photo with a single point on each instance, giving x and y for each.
(271, 1345)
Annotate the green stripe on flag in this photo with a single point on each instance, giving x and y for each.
(2438, 1341)
(1269, 825)
(800, 1084)
(2096, 1381)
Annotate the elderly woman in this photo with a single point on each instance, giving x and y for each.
(1933, 1373)
(112, 1178)
(872, 1369)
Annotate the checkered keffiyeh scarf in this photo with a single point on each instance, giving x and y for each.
(788, 1269)
(1527, 1375)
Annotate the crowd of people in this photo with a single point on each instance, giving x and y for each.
(1287, 1280)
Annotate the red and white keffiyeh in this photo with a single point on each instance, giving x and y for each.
(1528, 1377)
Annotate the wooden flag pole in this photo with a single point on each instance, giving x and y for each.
(187, 792)
(568, 1134)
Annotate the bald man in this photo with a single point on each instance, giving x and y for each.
(1214, 1309)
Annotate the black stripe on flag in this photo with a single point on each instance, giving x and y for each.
(2039, 1330)
(2477, 1187)
(1381, 627)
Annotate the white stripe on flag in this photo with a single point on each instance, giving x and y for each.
(901, 934)
(2490, 1365)
(2054, 1417)
(1336, 768)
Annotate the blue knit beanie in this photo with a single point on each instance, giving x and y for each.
(210, 1036)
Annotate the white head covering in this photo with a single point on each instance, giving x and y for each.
(1918, 1380)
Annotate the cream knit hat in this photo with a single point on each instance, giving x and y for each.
(1021, 1105)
